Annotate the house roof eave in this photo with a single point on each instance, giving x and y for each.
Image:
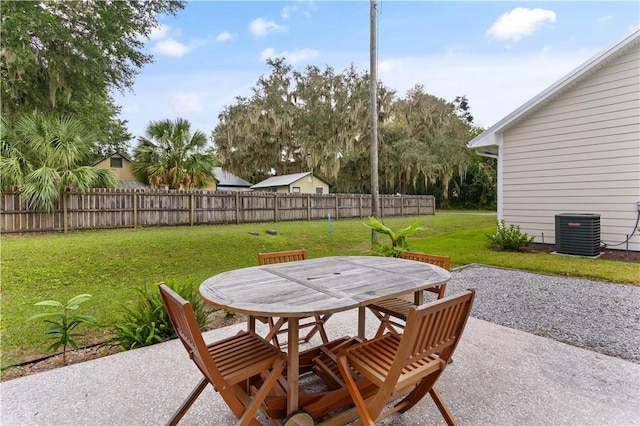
(126, 157)
(279, 181)
(485, 139)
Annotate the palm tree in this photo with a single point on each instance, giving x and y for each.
(170, 155)
(43, 155)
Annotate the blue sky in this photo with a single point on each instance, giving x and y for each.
(498, 54)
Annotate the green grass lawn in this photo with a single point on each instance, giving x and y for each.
(111, 264)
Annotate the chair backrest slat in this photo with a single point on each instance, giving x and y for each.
(281, 257)
(436, 327)
(434, 259)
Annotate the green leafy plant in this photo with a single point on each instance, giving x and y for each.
(147, 322)
(63, 322)
(398, 238)
(509, 237)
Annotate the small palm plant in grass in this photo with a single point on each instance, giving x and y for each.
(63, 322)
(398, 238)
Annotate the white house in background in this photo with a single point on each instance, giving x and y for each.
(574, 148)
(298, 183)
(230, 182)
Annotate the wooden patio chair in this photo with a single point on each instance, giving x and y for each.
(442, 261)
(233, 365)
(281, 256)
(390, 310)
(277, 327)
(408, 365)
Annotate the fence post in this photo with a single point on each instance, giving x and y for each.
(237, 208)
(191, 209)
(401, 205)
(418, 204)
(65, 219)
(360, 207)
(336, 206)
(308, 207)
(135, 207)
(275, 206)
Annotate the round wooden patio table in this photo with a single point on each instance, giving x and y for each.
(320, 286)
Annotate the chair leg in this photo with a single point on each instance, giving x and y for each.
(274, 328)
(188, 402)
(319, 327)
(257, 400)
(361, 406)
(444, 410)
(422, 388)
(385, 324)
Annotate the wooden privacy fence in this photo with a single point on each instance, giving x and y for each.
(125, 208)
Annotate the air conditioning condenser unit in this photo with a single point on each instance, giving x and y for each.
(578, 234)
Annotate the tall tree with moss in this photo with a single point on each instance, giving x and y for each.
(428, 142)
(43, 155)
(68, 56)
(297, 121)
(171, 156)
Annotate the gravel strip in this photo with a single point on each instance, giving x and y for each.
(600, 316)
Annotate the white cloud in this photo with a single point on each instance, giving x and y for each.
(164, 37)
(185, 103)
(160, 32)
(261, 27)
(294, 57)
(301, 55)
(520, 22)
(171, 47)
(604, 19)
(267, 53)
(390, 66)
(286, 11)
(226, 36)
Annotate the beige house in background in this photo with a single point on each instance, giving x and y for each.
(298, 183)
(120, 166)
(575, 148)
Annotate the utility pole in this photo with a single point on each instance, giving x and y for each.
(373, 103)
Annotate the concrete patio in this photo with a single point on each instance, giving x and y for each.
(500, 376)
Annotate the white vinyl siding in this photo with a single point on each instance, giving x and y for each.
(579, 153)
